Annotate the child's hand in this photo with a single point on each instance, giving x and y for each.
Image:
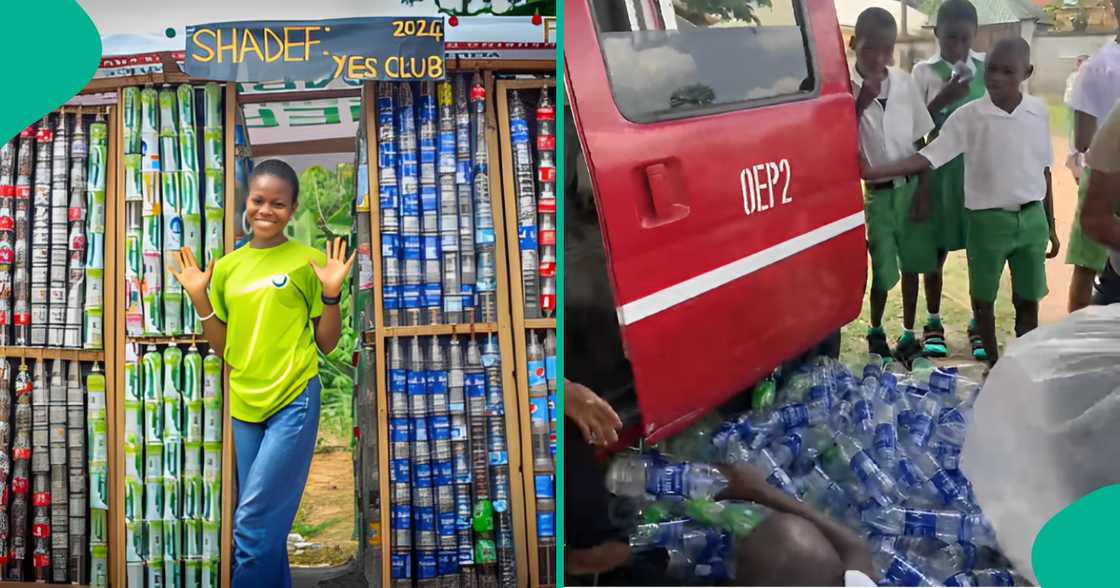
(1055, 245)
(954, 90)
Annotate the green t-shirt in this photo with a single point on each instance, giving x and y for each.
(267, 298)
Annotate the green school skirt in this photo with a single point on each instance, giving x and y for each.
(948, 205)
(1082, 251)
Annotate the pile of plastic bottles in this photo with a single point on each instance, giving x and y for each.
(879, 452)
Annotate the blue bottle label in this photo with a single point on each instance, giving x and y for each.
(398, 430)
(398, 381)
(546, 524)
(445, 474)
(418, 430)
(399, 470)
(446, 522)
(519, 130)
(417, 382)
(426, 564)
(864, 467)
(793, 443)
(448, 563)
(401, 566)
(401, 516)
(441, 428)
(544, 485)
(886, 439)
(499, 458)
(943, 382)
(430, 245)
(537, 373)
(795, 416)
(902, 573)
(920, 523)
(538, 410)
(820, 393)
(945, 486)
(908, 474)
(862, 411)
(527, 237)
(550, 368)
(422, 472)
(667, 481)
(921, 428)
(425, 518)
(410, 296)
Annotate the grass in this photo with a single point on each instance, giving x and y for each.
(955, 314)
(309, 530)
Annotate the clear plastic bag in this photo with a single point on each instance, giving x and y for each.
(1046, 427)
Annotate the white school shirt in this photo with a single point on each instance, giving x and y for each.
(928, 80)
(1005, 154)
(888, 134)
(1097, 88)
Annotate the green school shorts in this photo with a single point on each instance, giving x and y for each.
(896, 243)
(1082, 251)
(948, 205)
(1017, 239)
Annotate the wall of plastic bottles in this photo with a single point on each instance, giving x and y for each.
(54, 517)
(174, 198)
(52, 232)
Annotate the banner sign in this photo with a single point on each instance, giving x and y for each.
(387, 49)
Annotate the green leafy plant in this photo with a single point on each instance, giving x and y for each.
(324, 214)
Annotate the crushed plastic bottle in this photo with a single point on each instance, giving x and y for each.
(992, 577)
(946, 525)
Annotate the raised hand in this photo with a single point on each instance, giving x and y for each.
(334, 273)
(193, 279)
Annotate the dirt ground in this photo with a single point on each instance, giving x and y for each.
(326, 513)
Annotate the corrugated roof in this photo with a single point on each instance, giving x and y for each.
(1008, 11)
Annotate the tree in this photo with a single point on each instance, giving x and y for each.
(708, 12)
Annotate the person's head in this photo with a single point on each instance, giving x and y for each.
(273, 198)
(1081, 59)
(955, 29)
(787, 550)
(873, 41)
(1009, 64)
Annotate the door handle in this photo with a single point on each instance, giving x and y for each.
(667, 197)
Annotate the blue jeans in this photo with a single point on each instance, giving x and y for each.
(273, 459)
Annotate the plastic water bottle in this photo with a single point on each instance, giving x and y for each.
(627, 474)
(992, 577)
(776, 475)
(874, 366)
(897, 571)
(942, 485)
(786, 450)
(920, 422)
(739, 518)
(878, 483)
(694, 541)
(863, 415)
(948, 526)
(885, 439)
(823, 492)
(938, 560)
(800, 415)
(842, 416)
(952, 423)
(685, 480)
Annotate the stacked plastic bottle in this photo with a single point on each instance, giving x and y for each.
(43, 470)
(167, 200)
(546, 201)
(878, 452)
(173, 426)
(46, 222)
(541, 372)
(525, 185)
(449, 473)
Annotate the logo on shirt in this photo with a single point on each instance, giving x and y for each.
(280, 280)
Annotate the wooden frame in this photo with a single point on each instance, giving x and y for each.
(520, 324)
(381, 333)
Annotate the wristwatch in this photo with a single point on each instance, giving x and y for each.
(331, 301)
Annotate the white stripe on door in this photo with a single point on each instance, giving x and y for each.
(649, 305)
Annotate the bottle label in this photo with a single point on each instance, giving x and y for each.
(793, 443)
(863, 467)
(795, 416)
(943, 382)
(425, 518)
(908, 473)
(399, 471)
(538, 410)
(820, 393)
(885, 437)
(862, 411)
(901, 573)
(544, 485)
(425, 564)
(921, 428)
(475, 385)
(969, 552)
(448, 563)
(546, 524)
(920, 524)
(537, 373)
(398, 430)
(946, 487)
(667, 481)
(402, 517)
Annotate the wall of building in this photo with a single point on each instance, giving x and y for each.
(1055, 57)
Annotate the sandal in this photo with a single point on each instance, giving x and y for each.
(907, 352)
(933, 342)
(978, 351)
(877, 344)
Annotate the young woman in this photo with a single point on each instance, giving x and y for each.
(269, 304)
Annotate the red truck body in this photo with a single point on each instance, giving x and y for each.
(734, 231)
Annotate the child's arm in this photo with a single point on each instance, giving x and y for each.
(952, 91)
(905, 167)
(1055, 245)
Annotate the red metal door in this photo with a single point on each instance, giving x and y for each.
(726, 178)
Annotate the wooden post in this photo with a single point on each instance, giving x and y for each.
(229, 481)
